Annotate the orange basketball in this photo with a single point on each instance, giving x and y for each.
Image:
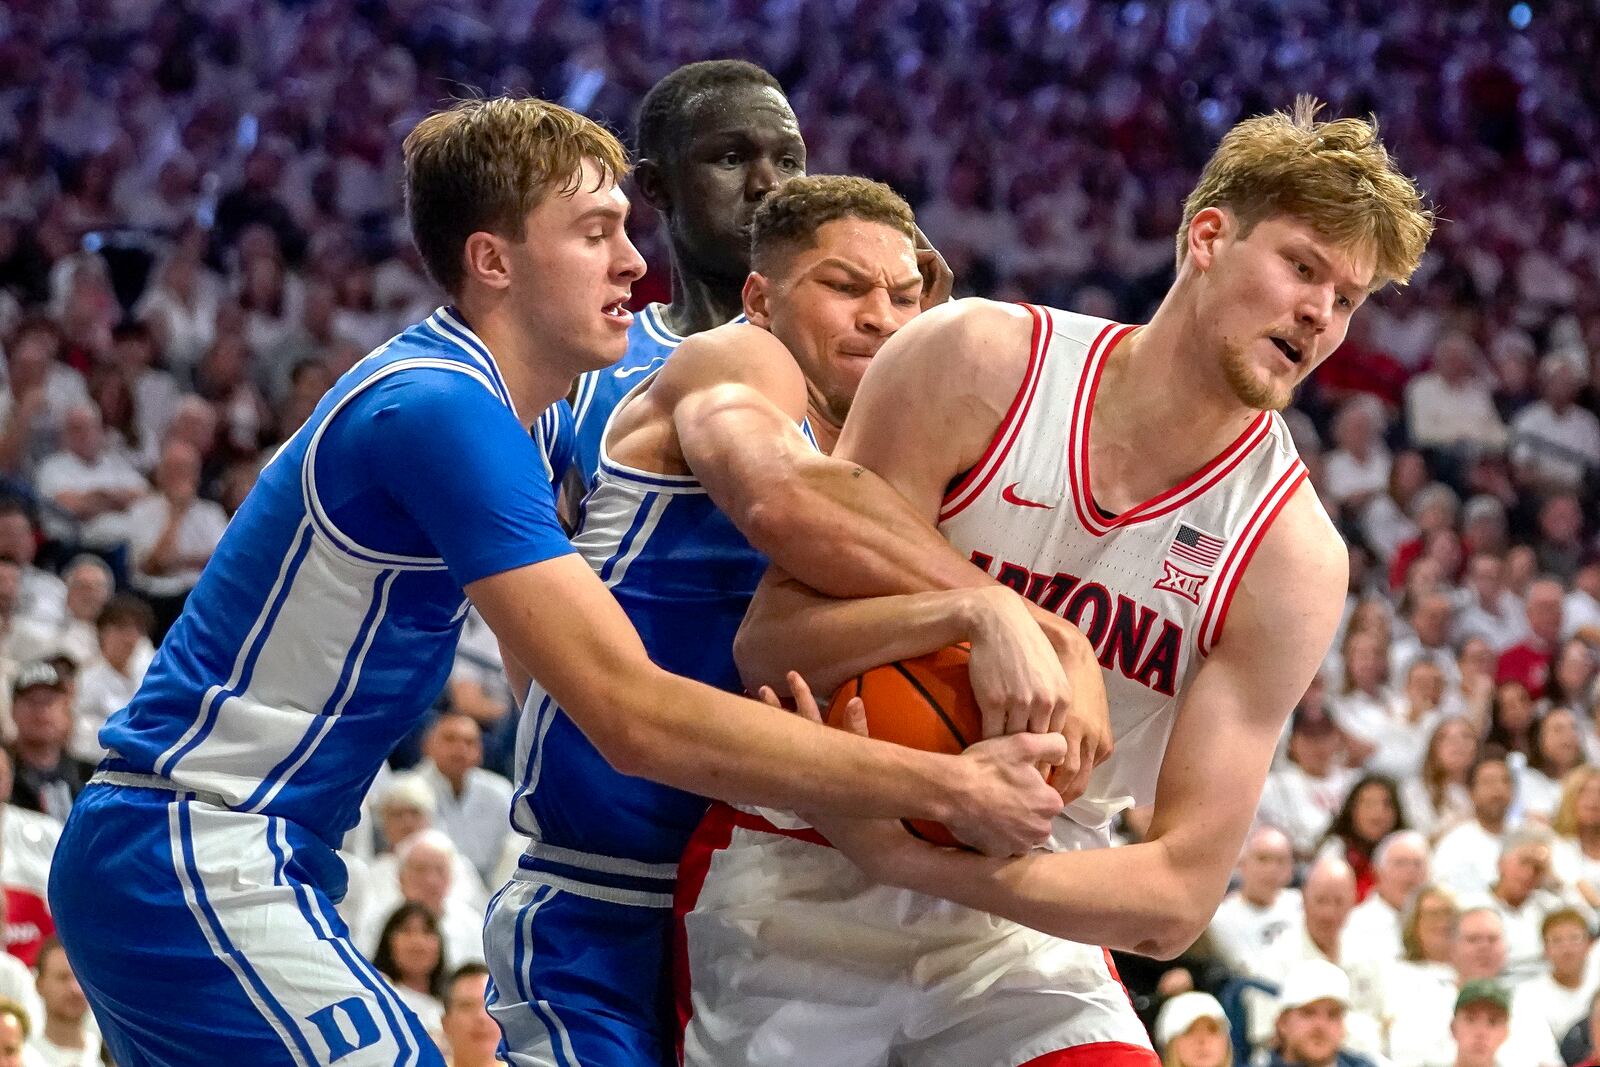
(924, 703)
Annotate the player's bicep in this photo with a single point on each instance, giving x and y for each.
(934, 397)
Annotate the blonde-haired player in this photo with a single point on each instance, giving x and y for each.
(1137, 481)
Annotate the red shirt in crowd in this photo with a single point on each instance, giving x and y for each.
(1526, 663)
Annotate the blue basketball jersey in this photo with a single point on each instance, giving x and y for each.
(600, 391)
(326, 622)
(555, 434)
(684, 575)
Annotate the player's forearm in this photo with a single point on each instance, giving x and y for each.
(1081, 896)
(684, 734)
(792, 627)
(844, 531)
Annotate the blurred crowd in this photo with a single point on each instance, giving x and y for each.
(201, 228)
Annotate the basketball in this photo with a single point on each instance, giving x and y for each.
(925, 703)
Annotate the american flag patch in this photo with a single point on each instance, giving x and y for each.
(1195, 547)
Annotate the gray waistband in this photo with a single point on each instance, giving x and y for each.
(155, 781)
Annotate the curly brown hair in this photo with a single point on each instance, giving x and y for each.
(788, 219)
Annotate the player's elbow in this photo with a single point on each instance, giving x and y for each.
(1173, 936)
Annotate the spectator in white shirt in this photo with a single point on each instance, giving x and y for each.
(89, 586)
(1329, 894)
(108, 683)
(1358, 469)
(426, 871)
(470, 803)
(1522, 896)
(1580, 609)
(1427, 940)
(1555, 749)
(1437, 798)
(1431, 620)
(155, 391)
(1255, 915)
(1363, 706)
(93, 480)
(1561, 997)
(1555, 443)
(1304, 793)
(40, 391)
(1466, 858)
(1575, 854)
(1452, 406)
(1488, 609)
(1419, 1032)
(66, 1039)
(1372, 933)
(175, 533)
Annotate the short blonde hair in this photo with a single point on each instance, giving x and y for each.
(1410, 939)
(484, 164)
(1335, 176)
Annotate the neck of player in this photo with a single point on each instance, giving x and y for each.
(700, 303)
(1134, 453)
(534, 377)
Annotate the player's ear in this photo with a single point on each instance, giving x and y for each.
(650, 180)
(1208, 227)
(484, 257)
(757, 303)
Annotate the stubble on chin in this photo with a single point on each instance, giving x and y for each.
(1254, 391)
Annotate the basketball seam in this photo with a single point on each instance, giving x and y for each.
(932, 703)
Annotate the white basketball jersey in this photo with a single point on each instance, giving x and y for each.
(1150, 587)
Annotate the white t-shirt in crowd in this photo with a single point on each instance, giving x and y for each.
(1467, 859)
(1241, 931)
(199, 531)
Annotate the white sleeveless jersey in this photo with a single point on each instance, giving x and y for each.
(1149, 587)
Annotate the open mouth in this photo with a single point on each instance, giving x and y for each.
(1290, 352)
(617, 309)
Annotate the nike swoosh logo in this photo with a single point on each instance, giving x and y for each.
(629, 372)
(1009, 495)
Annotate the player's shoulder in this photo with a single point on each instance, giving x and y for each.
(1302, 552)
(732, 352)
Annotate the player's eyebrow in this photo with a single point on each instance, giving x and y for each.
(911, 281)
(1355, 292)
(601, 211)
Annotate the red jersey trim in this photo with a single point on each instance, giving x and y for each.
(1163, 503)
(972, 485)
(1098, 1054)
(1250, 537)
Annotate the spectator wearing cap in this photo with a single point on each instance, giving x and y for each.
(1562, 995)
(113, 676)
(1192, 1031)
(41, 596)
(174, 534)
(1419, 1031)
(1303, 794)
(1451, 408)
(1310, 1027)
(1251, 918)
(1555, 444)
(471, 1036)
(1481, 1024)
(92, 480)
(1528, 661)
(47, 778)
(1465, 859)
(1329, 894)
